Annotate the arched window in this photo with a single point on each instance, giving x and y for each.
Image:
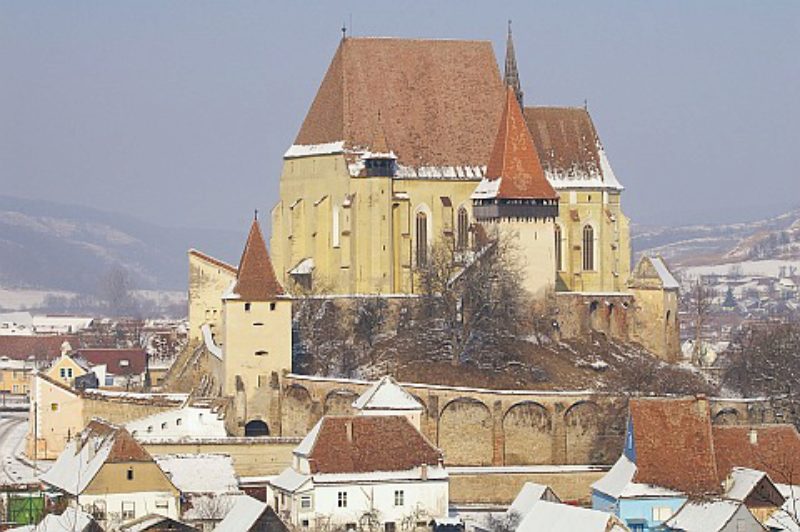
(422, 239)
(588, 247)
(559, 256)
(462, 241)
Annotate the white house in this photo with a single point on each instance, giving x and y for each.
(104, 471)
(362, 470)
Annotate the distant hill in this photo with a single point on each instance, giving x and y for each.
(775, 239)
(51, 246)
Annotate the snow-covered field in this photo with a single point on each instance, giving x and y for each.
(770, 268)
(24, 299)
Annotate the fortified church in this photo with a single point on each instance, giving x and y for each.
(410, 144)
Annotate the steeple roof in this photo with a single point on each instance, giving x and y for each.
(510, 73)
(514, 160)
(255, 280)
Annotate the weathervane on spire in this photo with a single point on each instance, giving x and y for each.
(255, 215)
(511, 73)
(344, 31)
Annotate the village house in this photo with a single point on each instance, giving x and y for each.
(124, 368)
(15, 376)
(365, 469)
(70, 520)
(251, 515)
(716, 515)
(67, 368)
(104, 471)
(38, 350)
(674, 456)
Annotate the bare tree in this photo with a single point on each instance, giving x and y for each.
(208, 508)
(474, 303)
(701, 300)
(369, 317)
(507, 522)
(115, 291)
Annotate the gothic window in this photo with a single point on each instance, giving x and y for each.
(463, 229)
(588, 247)
(559, 262)
(422, 239)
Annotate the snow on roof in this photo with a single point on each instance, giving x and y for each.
(169, 397)
(563, 518)
(667, 278)
(370, 477)
(304, 267)
(242, 515)
(70, 520)
(310, 150)
(307, 445)
(183, 422)
(78, 464)
(786, 517)
(621, 474)
(208, 340)
(487, 188)
(386, 394)
(147, 522)
(744, 480)
(703, 516)
(200, 473)
(289, 480)
(528, 496)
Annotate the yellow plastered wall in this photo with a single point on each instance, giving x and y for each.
(657, 326)
(14, 380)
(56, 415)
(533, 247)
(66, 363)
(612, 253)
(113, 478)
(207, 283)
(257, 342)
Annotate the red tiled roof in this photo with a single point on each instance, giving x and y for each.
(256, 279)
(514, 159)
(377, 443)
(776, 450)
(674, 445)
(566, 140)
(438, 99)
(212, 260)
(34, 347)
(112, 358)
(125, 447)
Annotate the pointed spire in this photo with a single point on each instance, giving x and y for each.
(514, 159)
(379, 142)
(511, 73)
(255, 279)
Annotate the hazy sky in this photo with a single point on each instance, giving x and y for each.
(179, 111)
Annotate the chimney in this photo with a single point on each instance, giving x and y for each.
(423, 472)
(753, 437)
(349, 428)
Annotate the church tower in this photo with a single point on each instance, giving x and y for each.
(257, 341)
(510, 72)
(516, 201)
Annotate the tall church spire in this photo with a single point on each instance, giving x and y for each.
(511, 73)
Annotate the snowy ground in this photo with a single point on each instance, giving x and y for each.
(770, 268)
(13, 428)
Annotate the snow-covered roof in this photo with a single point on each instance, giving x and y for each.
(703, 516)
(787, 517)
(614, 482)
(184, 422)
(70, 520)
(78, 464)
(304, 267)
(530, 494)
(242, 515)
(386, 394)
(743, 481)
(667, 278)
(208, 340)
(487, 189)
(563, 518)
(371, 477)
(290, 480)
(311, 150)
(200, 473)
(307, 445)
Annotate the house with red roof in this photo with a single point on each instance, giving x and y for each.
(365, 469)
(124, 368)
(673, 456)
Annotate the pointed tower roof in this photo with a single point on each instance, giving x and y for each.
(386, 394)
(514, 161)
(379, 144)
(255, 280)
(511, 75)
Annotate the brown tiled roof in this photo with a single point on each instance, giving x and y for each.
(377, 443)
(674, 445)
(438, 99)
(514, 159)
(212, 260)
(776, 450)
(112, 358)
(34, 347)
(256, 279)
(566, 140)
(125, 447)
